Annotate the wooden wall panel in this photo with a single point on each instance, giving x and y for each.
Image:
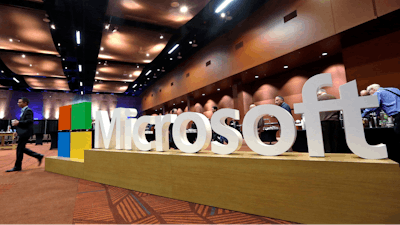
(386, 6)
(374, 61)
(265, 37)
(348, 14)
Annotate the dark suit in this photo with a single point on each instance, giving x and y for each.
(25, 131)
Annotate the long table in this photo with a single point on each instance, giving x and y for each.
(373, 136)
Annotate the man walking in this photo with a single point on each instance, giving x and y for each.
(24, 131)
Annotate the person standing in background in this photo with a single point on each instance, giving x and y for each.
(280, 102)
(330, 124)
(389, 102)
(24, 131)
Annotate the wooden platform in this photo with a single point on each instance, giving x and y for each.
(340, 188)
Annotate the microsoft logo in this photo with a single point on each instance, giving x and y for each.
(73, 123)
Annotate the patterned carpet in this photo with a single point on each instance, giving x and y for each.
(62, 199)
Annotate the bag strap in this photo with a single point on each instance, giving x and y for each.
(391, 91)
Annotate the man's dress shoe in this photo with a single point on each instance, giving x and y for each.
(13, 170)
(40, 159)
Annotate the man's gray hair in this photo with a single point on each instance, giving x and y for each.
(374, 86)
(320, 91)
(280, 97)
(174, 110)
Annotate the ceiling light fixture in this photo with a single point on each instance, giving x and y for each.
(256, 77)
(285, 67)
(53, 26)
(190, 42)
(30, 65)
(204, 94)
(78, 37)
(173, 49)
(324, 54)
(161, 37)
(107, 26)
(80, 83)
(16, 80)
(148, 78)
(2, 71)
(223, 5)
(137, 66)
(182, 101)
(63, 59)
(158, 69)
(134, 86)
(81, 92)
(23, 55)
(174, 104)
(147, 54)
(59, 44)
(97, 72)
(80, 68)
(130, 75)
(101, 48)
(223, 15)
(184, 9)
(171, 59)
(218, 89)
(148, 72)
(65, 67)
(11, 40)
(115, 29)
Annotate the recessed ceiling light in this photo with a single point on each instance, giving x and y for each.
(285, 67)
(53, 26)
(11, 40)
(158, 69)
(63, 59)
(170, 58)
(218, 89)
(203, 94)
(324, 54)
(130, 75)
(174, 104)
(182, 101)
(175, 4)
(2, 71)
(115, 29)
(65, 67)
(15, 79)
(30, 65)
(148, 72)
(184, 9)
(137, 66)
(156, 110)
(223, 15)
(99, 63)
(101, 48)
(107, 26)
(161, 37)
(160, 108)
(80, 83)
(59, 44)
(97, 72)
(147, 54)
(148, 78)
(23, 56)
(256, 77)
(81, 92)
(37, 73)
(80, 68)
(190, 42)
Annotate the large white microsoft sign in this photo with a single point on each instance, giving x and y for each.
(124, 133)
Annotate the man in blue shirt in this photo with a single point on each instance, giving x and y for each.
(280, 102)
(389, 102)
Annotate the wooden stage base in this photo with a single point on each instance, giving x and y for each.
(340, 188)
